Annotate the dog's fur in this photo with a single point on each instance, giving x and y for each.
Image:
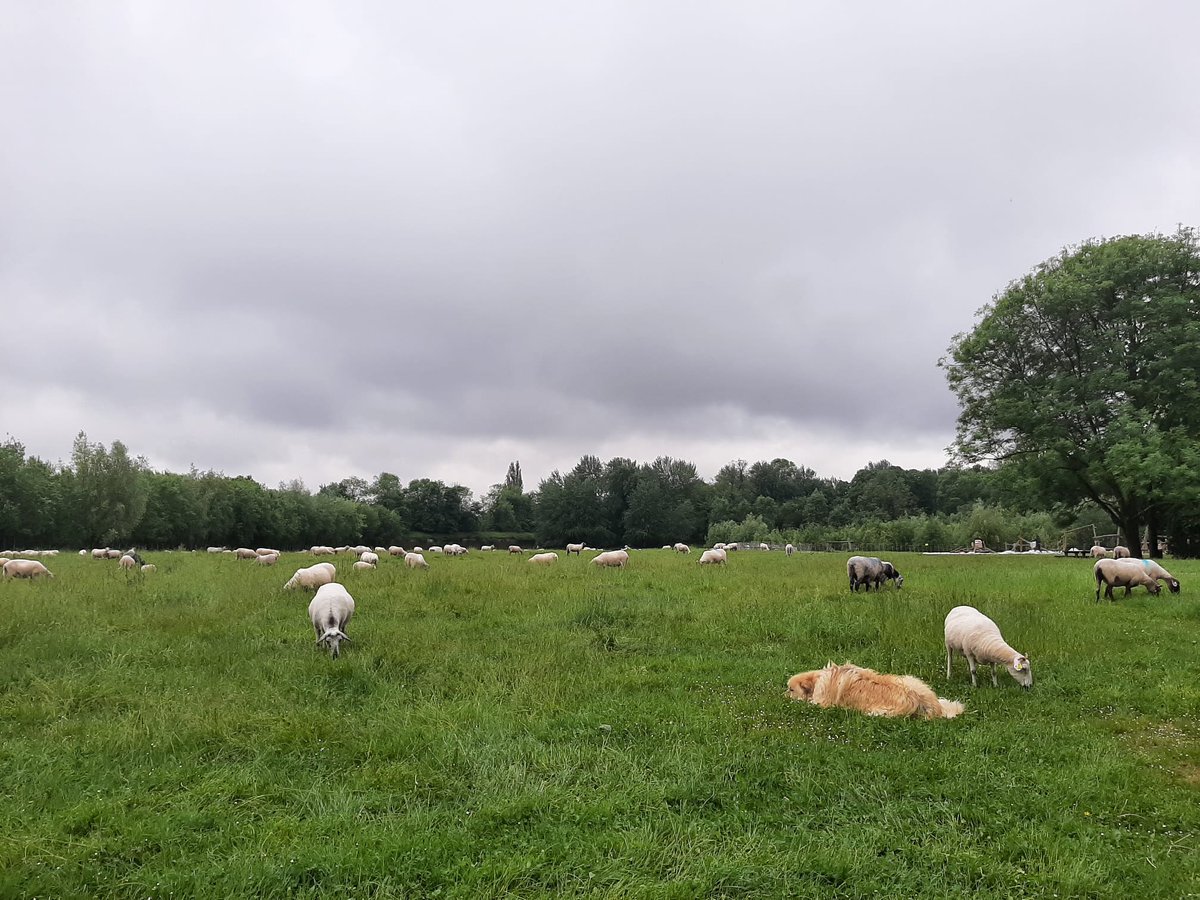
(866, 690)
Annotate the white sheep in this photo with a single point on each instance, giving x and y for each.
(267, 559)
(415, 561)
(544, 559)
(733, 546)
(871, 570)
(149, 567)
(330, 612)
(127, 562)
(764, 546)
(1120, 552)
(113, 554)
(1122, 573)
(718, 546)
(514, 548)
(245, 553)
(25, 568)
(488, 547)
(613, 558)
(369, 557)
(789, 549)
(322, 550)
(435, 549)
(682, 548)
(396, 551)
(1098, 552)
(267, 551)
(312, 577)
(100, 553)
(207, 550)
(574, 548)
(363, 566)
(977, 638)
(713, 557)
(1156, 571)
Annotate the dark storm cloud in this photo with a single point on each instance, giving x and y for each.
(322, 240)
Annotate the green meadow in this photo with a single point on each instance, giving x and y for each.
(501, 730)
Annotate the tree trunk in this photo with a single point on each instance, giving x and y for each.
(1152, 534)
(1131, 533)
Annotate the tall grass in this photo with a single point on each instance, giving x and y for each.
(497, 729)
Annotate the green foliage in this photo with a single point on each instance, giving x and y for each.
(1083, 374)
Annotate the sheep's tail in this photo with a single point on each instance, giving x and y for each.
(950, 708)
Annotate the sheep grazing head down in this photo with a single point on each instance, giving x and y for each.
(333, 639)
(889, 571)
(1021, 670)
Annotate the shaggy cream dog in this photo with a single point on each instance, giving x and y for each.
(866, 690)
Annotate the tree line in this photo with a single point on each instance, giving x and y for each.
(106, 496)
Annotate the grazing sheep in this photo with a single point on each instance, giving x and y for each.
(682, 548)
(209, 550)
(513, 548)
(415, 561)
(363, 566)
(321, 550)
(100, 553)
(488, 547)
(435, 549)
(245, 553)
(613, 558)
(25, 568)
(718, 546)
(369, 557)
(127, 562)
(1156, 571)
(544, 559)
(149, 567)
(764, 546)
(789, 549)
(1098, 552)
(313, 577)
(574, 548)
(418, 550)
(977, 638)
(871, 570)
(330, 611)
(113, 554)
(1120, 552)
(1123, 573)
(396, 551)
(713, 558)
(267, 551)
(733, 546)
(268, 559)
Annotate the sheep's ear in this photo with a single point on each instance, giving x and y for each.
(1021, 663)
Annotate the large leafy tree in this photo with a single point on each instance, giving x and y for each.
(1084, 375)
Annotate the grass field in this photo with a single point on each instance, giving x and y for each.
(497, 730)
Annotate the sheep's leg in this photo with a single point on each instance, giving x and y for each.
(994, 682)
(948, 656)
(971, 663)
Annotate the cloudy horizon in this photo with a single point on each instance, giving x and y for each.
(315, 241)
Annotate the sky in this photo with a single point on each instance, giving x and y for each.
(321, 240)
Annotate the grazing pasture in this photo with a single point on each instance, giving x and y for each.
(500, 729)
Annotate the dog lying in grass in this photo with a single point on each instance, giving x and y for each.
(866, 690)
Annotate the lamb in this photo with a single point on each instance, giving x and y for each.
(871, 570)
(544, 559)
(977, 638)
(789, 549)
(613, 558)
(330, 611)
(513, 548)
(488, 547)
(267, 559)
(415, 561)
(574, 548)
(25, 568)
(369, 557)
(313, 577)
(1123, 573)
(1156, 571)
(149, 567)
(363, 566)
(1120, 552)
(713, 558)
(682, 548)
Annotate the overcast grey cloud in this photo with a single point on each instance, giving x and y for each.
(327, 239)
